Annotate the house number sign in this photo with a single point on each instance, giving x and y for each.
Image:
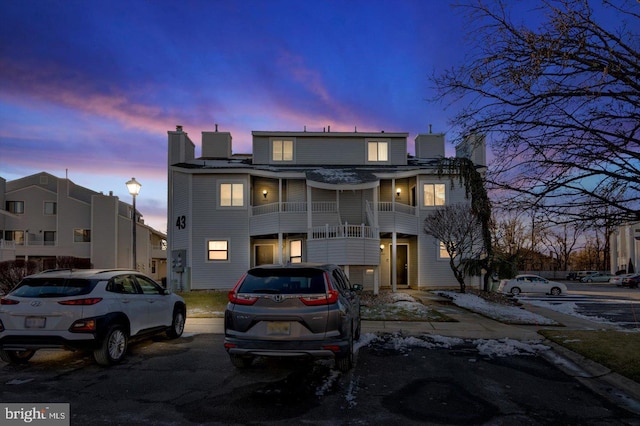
(181, 222)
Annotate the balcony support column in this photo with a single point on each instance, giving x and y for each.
(394, 273)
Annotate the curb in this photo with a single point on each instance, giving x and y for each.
(619, 390)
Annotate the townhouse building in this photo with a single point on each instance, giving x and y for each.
(44, 218)
(356, 199)
(625, 248)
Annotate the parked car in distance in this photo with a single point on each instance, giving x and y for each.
(599, 277)
(572, 275)
(581, 274)
(617, 279)
(632, 282)
(293, 310)
(531, 284)
(86, 309)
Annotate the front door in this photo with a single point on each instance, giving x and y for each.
(264, 254)
(402, 265)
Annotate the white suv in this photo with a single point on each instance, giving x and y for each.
(87, 309)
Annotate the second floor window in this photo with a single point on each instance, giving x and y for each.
(282, 150)
(50, 207)
(378, 151)
(434, 194)
(82, 235)
(49, 238)
(231, 194)
(16, 236)
(15, 207)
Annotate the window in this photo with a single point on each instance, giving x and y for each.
(148, 286)
(434, 194)
(15, 207)
(50, 207)
(16, 236)
(296, 251)
(231, 194)
(282, 150)
(378, 151)
(82, 235)
(442, 252)
(218, 250)
(49, 238)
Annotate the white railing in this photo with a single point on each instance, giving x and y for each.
(7, 245)
(388, 206)
(343, 231)
(295, 207)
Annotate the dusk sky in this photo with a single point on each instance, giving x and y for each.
(89, 89)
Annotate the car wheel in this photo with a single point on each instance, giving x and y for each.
(240, 361)
(113, 347)
(344, 362)
(177, 325)
(17, 357)
(589, 280)
(555, 291)
(515, 291)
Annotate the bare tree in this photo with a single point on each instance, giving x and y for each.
(458, 228)
(559, 97)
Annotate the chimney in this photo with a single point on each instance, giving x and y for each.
(178, 128)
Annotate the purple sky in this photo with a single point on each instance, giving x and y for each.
(92, 87)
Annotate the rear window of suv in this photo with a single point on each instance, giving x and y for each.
(53, 287)
(283, 281)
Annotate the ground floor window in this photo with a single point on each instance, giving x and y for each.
(442, 252)
(218, 250)
(296, 251)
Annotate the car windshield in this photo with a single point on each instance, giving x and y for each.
(283, 281)
(53, 287)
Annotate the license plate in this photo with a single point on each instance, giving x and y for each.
(35, 322)
(278, 328)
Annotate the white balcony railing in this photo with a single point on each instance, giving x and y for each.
(343, 231)
(295, 207)
(7, 245)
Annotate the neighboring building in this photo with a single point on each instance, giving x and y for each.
(44, 218)
(625, 248)
(355, 199)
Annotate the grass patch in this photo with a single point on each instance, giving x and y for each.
(402, 313)
(615, 350)
(205, 303)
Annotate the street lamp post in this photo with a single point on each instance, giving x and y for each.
(134, 189)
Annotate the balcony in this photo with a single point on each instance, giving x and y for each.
(344, 245)
(290, 217)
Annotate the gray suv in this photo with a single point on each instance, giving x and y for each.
(293, 310)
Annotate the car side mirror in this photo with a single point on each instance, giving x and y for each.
(357, 287)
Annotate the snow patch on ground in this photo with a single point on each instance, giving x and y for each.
(503, 313)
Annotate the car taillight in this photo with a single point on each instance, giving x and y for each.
(87, 301)
(329, 298)
(241, 299)
(6, 301)
(326, 299)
